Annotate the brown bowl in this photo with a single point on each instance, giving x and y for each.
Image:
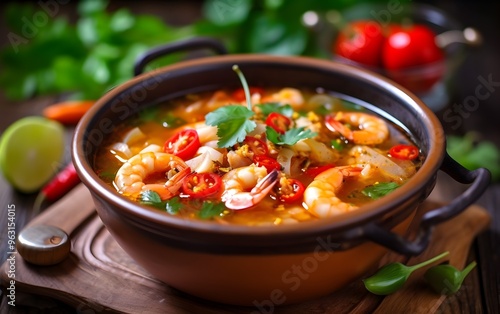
(268, 265)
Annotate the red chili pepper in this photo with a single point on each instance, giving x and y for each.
(405, 152)
(61, 184)
(314, 171)
(278, 122)
(239, 94)
(268, 162)
(291, 191)
(201, 185)
(257, 146)
(183, 144)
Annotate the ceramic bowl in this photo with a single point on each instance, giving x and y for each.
(268, 265)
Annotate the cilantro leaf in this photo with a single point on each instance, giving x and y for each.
(233, 124)
(290, 137)
(151, 198)
(268, 108)
(210, 210)
(173, 205)
(380, 189)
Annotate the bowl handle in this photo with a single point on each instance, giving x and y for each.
(480, 179)
(183, 45)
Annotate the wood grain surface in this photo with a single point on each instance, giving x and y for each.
(99, 276)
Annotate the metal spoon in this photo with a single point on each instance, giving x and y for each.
(45, 240)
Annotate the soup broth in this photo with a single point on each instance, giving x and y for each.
(284, 156)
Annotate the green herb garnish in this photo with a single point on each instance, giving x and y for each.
(151, 198)
(380, 189)
(290, 137)
(173, 205)
(244, 83)
(233, 122)
(268, 108)
(210, 210)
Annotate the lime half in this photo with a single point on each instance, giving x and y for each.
(31, 151)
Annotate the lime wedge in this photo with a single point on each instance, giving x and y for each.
(31, 151)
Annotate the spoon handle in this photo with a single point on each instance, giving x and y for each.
(69, 211)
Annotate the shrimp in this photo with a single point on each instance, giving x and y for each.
(130, 177)
(320, 195)
(290, 96)
(372, 130)
(246, 186)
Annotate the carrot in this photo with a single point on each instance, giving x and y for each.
(68, 112)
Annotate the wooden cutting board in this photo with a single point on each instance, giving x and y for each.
(99, 276)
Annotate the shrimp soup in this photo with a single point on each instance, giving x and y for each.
(279, 156)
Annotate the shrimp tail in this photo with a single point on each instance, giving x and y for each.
(169, 189)
(244, 200)
(266, 184)
(334, 125)
(175, 183)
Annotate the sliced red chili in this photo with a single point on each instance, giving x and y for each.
(405, 152)
(280, 123)
(239, 94)
(183, 144)
(201, 185)
(290, 190)
(268, 162)
(314, 171)
(257, 146)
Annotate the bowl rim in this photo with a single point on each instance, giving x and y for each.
(147, 217)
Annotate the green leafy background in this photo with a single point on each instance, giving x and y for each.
(86, 58)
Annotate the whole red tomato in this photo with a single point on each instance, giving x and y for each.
(411, 57)
(360, 41)
(410, 46)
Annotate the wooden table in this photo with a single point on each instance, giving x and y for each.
(484, 297)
